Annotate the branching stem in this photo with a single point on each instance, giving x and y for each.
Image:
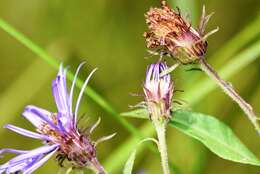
(229, 90)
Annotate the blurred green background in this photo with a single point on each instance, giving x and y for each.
(108, 34)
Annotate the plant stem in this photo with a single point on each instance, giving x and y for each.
(162, 146)
(229, 90)
(97, 167)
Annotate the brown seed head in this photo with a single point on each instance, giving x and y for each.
(169, 32)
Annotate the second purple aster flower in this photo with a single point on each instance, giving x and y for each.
(158, 91)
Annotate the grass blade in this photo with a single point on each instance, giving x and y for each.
(242, 38)
(23, 83)
(54, 63)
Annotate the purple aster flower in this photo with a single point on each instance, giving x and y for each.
(59, 132)
(158, 91)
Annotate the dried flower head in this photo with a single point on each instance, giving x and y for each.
(58, 131)
(158, 92)
(170, 33)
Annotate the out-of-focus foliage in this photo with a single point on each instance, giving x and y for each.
(129, 165)
(108, 35)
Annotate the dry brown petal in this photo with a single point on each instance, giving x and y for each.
(167, 29)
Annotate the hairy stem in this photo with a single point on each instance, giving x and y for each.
(162, 146)
(97, 167)
(229, 90)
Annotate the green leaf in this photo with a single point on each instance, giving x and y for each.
(138, 113)
(214, 134)
(120, 154)
(130, 163)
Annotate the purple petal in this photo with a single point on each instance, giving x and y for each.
(29, 161)
(34, 118)
(65, 89)
(80, 96)
(73, 86)
(22, 165)
(32, 162)
(33, 153)
(42, 116)
(15, 167)
(26, 132)
(149, 73)
(62, 122)
(156, 72)
(15, 151)
(39, 163)
(56, 95)
(3, 167)
(60, 92)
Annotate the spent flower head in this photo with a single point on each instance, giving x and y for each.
(169, 32)
(59, 132)
(158, 91)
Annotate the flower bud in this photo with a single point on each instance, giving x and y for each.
(158, 92)
(170, 32)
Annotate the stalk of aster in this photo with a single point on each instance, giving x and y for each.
(158, 98)
(171, 34)
(59, 132)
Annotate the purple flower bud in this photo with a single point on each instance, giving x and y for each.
(158, 91)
